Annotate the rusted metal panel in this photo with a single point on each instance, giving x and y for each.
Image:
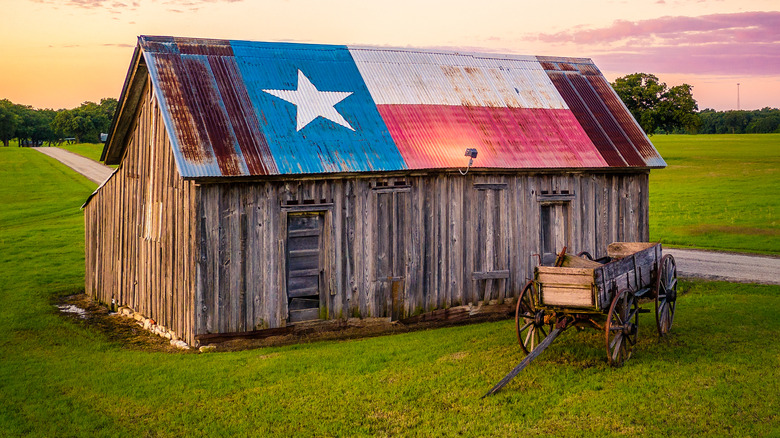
(630, 126)
(602, 114)
(604, 118)
(586, 120)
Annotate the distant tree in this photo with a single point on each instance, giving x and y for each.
(764, 120)
(86, 122)
(735, 122)
(655, 106)
(9, 121)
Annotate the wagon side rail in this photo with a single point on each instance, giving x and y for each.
(634, 266)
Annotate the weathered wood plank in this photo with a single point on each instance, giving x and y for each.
(581, 297)
(485, 275)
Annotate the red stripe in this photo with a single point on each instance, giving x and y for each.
(436, 136)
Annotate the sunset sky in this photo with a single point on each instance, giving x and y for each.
(59, 53)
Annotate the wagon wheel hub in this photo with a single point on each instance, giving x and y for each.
(671, 295)
(539, 318)
(629, 329)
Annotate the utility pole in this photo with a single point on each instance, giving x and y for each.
(738, 96)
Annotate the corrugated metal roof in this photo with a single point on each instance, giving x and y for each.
(235, 108)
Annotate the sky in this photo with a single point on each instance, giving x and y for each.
(60, 53)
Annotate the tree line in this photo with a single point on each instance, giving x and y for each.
(36, 127)
(660, 109)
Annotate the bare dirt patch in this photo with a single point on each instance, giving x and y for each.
(124, 331)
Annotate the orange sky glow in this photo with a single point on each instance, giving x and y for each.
(59, 53)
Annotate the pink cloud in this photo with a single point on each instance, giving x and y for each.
(730, 44)
(754, 59)
(759, 25)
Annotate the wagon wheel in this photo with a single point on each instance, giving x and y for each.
(529, 320)
(622, 327)
(665, 294)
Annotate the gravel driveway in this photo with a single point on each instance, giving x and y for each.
(740, 268)
(93, 170)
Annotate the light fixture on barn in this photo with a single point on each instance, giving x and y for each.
(471, 153)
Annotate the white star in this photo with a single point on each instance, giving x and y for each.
(312, 103)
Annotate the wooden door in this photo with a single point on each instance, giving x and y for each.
(304, 265)
(390, 240)
(491, 246)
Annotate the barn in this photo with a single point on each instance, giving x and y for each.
(263, 185)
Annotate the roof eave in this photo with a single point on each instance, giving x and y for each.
(132, 93)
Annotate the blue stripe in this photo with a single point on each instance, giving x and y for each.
(322, 145)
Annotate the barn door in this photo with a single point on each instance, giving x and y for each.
(554, 230)
(304, 265)
(491, 246)
(391, 251)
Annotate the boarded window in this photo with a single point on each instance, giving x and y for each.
(304, 265)
(554, 230)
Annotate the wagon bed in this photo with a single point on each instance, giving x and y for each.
(582, 285)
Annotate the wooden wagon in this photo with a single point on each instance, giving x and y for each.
(605, 294)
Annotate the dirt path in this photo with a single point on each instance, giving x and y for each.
(93, 170)
(740, 268)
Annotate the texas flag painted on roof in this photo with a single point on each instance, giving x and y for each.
(238, 108)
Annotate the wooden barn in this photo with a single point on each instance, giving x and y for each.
(260, 185)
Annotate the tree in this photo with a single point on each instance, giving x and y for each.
(86, 122)
(655, 106)
(9, 121)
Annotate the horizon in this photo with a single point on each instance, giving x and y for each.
(81, 49)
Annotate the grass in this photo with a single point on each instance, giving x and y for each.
(718, 192)
(717, 374)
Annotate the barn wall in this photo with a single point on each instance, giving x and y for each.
(400, 245)
(139, 228)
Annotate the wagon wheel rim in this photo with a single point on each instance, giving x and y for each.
(666, 294)
(622, 327)
(529, 320)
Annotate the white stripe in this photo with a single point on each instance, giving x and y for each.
(408, 77)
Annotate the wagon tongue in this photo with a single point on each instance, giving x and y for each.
(527, 360)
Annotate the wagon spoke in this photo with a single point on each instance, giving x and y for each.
(617, 348)
(543, 332)
(614, 340)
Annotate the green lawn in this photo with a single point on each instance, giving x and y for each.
(717, 374)
(718, 192)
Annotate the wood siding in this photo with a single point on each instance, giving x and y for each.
(399, 245)
(140, 228)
